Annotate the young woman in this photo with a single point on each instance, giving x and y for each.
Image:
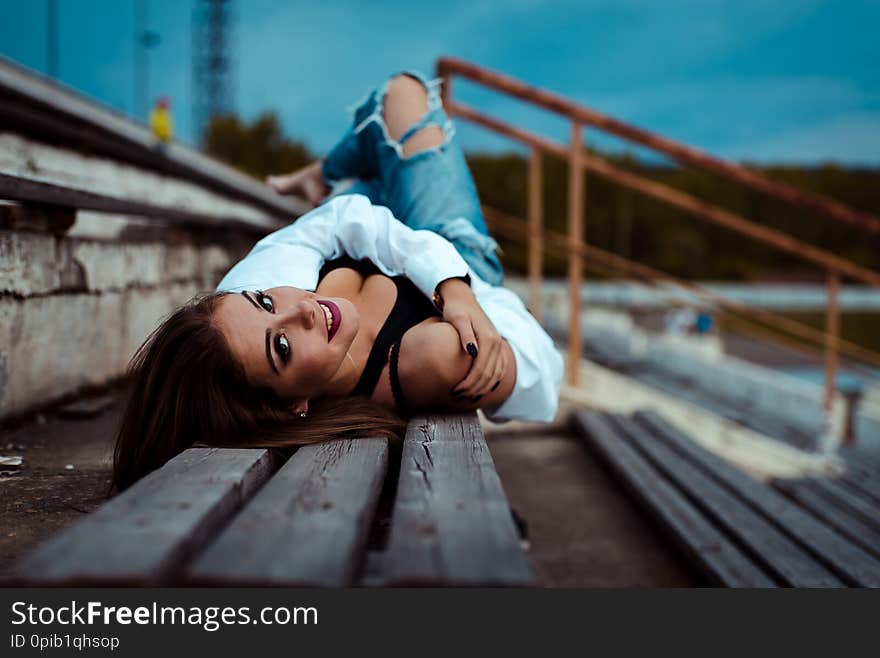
(383, 301)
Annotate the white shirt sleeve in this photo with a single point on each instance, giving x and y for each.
(539, 365)
(348, 224)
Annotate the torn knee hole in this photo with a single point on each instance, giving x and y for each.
(405, 102)
(422, 140)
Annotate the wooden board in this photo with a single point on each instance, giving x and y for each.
(831, 512)
(775, 551)
(308, 526)
(868, 489)
(451, 523)
(857, 504)
(718, 558)
(144, 535)
(861, 460)
(862, 474)
(848, 561)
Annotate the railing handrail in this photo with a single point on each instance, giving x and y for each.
(602, 261)
(49, 108)
(580, 160)
(703, 209)
(677, 151)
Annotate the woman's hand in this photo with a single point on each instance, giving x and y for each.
(307, 183)
(478, 337)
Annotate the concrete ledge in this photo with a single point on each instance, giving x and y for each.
(74, 310)
(53, 346)
(39, 264)
(30, 160)
(57, 111)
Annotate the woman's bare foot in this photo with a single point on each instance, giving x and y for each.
(307, 183)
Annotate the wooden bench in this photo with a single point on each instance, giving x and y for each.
(738, 531)
(246, 517)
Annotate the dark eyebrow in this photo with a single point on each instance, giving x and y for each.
(268, 335)
(250, 299)
(269, 351)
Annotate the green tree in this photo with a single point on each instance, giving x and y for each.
(258, 148)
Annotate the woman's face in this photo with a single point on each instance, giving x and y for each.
(285, 338)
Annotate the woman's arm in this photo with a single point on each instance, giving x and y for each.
(350, 224)
(539, 367)
(432, 363)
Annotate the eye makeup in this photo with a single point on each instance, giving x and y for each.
(262, 298)
(280, 343)
(269, 351)
(282, 348)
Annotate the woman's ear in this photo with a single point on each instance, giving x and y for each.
(300, 408)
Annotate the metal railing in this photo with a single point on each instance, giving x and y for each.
(575, 246)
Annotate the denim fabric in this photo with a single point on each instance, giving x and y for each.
(432, 189)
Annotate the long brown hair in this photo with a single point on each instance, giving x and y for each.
(188, 388)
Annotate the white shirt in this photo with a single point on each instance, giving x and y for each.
(350, 224)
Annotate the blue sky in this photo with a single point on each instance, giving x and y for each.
(763, 81)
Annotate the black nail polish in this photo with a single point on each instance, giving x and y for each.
(476, 398)
(497, 384)
(472, 350)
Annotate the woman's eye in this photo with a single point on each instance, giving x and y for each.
(267, 303)
(282, 347)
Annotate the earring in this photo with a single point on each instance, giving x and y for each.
(302, 414)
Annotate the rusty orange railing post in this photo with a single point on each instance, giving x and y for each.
(575, 238)
(832, 328)
(536, 239)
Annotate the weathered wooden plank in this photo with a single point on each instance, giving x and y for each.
(862, 474)
(859, 459)
(832, 513)
(451, 523)
(774, 550)
(856, 504)
(144, 535)
(848, 561)
(718, 558)
(866, 488)
(308, 526)
(371, 573)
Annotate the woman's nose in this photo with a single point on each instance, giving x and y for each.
(303, 311)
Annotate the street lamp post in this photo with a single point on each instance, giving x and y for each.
(144, 40)
(52, 38)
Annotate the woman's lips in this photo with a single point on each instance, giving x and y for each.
(337, 317)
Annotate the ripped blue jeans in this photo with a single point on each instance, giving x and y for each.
(431, 189)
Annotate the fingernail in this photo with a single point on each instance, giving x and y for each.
(472, 350)
(458, 395)
(476, 398)
(497, 384)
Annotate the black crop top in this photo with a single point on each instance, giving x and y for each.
(410, 308)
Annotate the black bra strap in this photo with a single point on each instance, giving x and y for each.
(396, 388)
(378, 354)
